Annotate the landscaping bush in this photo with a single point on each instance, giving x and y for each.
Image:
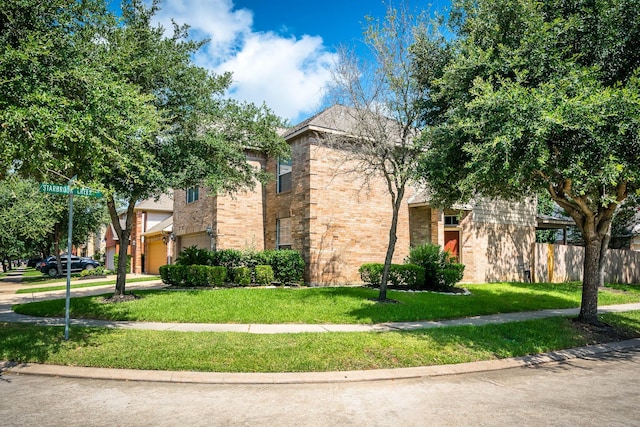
(242, 276)
(216, 275)
(371, 273)
(197, 275)
(287, 264)
(264, 274)
(98, 271)
(194, 256)
(229, 258)
(409, 275)
(441, 272)
(115, 262)
(173, 275)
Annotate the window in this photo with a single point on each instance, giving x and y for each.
(284, 176)
(451, 220)
(283, 233)
(192, 194)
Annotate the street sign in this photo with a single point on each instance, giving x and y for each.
(64, 189)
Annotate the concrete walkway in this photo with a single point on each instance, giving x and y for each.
(8, 298)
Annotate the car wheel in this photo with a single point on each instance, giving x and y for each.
(89, 267)
(52, 272)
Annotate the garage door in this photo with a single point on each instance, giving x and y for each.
(156, 256)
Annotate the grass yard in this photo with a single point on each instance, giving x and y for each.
(324, 305)
(235, 352)
(83, 284)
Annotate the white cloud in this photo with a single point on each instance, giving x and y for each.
(288, 74)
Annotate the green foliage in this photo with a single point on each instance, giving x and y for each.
(264, 274)
(216, 275)
(371, 273)
(409, 275)
(400, 275)
(229, 258)
(176, 275)
(116, 257)
(98, 271)
(192, 275)
(288, 265)
(542, 96)
(194, 256)
(441, 272)
(241, 276)
(196, 275)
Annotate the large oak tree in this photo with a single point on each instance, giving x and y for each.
(543, 96)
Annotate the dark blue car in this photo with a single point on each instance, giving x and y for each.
(49, 266)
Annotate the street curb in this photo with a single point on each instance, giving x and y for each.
(13, 368)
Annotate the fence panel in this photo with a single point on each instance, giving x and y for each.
(562, 263)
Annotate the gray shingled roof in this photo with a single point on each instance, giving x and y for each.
(164, 203)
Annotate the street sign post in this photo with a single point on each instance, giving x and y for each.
(71, 191)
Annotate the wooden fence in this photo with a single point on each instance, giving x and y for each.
(563, 263)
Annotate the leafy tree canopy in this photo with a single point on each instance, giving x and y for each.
(543, 96)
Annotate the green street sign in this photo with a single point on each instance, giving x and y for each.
(64, 189)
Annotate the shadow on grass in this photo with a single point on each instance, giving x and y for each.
(37, 344)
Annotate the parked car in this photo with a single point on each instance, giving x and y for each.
(33, 262)
(50, 267)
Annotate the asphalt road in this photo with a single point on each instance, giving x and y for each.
(600, 391)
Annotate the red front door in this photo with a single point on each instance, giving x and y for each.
(452, 243)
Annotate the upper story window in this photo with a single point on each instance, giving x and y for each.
(451, 220)
(284, 176)
(193, 194)
(283, 233)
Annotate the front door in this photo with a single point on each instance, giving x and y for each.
(452, 243)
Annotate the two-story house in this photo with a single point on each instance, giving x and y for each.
(317, 205)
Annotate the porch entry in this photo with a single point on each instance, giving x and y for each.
(452, 243)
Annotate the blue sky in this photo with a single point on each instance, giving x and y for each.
(280, 51)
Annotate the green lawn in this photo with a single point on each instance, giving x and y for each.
(236, 352)
(83, 284)
(324, 305)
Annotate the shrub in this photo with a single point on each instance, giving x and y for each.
(194, 256)
(115, 262)
(229, 258)
(242, 276)
(264, 274)
(371, 273)
(409, 275)
(164, 273)
(216, 275)
(196, 275)
(173, 274)
(441, 272)
(287, 264)
(98, 271)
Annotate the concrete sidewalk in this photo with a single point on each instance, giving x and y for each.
(7, 315)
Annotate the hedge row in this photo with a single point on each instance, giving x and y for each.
(207, 275)
(409, 275)
(287, 265)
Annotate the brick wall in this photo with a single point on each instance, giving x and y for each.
(338, 222)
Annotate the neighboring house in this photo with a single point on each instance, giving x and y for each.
(144, 251)
(317, 205)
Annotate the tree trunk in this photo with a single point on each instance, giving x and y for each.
(604, 246)
(393, 238)
(591, 281)
(123, 239)
(121, 279)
